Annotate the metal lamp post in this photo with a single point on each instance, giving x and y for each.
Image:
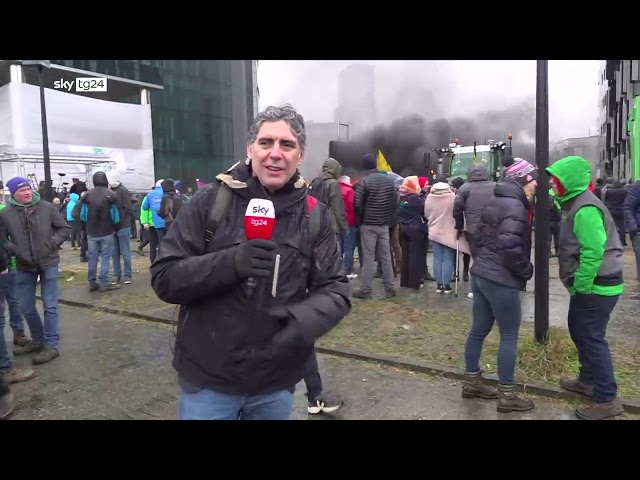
(541, 312)
(48, 187)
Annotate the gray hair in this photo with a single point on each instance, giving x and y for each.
(286, 113)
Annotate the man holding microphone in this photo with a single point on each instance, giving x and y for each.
(257, 286)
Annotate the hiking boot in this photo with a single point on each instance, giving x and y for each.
(7, 405)
(510, 402)
(576, 386)
(19, 338)
(474, 387)
(600, 411)
(323, 403)
(27, 349)
(362, 294)
(46, 355)
(390, 293)
(17, 375)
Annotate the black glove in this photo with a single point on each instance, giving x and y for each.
(255, 258)
(288, 342)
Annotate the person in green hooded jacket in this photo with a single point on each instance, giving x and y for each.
(590, 264)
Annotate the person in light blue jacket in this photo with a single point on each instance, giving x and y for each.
(76, 225)
(156, 233)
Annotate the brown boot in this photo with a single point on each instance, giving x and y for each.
(510, 402)
(30, 347)
(600, 411)
(576, 386)
(474, 387)
(19, 338)
(17, 375)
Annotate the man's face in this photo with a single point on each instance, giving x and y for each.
(23, 195)
(275, 155)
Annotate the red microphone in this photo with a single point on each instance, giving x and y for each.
(259, 219)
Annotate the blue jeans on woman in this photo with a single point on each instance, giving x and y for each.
(444, 261)
(493, 302)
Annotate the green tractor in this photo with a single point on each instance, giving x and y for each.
(455, 160)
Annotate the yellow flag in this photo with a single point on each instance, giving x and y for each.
(382, 163)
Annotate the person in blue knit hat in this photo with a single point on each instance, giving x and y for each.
(35, 245)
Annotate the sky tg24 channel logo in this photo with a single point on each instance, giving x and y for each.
(90, 84)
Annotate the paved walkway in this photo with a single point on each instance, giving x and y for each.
(113, 367)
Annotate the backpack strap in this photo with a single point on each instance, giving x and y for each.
(217, 211)
(314, 218)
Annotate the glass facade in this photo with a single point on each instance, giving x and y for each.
(193, 116)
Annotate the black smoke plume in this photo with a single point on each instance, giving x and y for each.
(405, 141)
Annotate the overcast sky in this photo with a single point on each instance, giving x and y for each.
(447, 88)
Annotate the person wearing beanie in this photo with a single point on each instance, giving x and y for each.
(500, 271)
(590, 267)
(36, 246)
(376, 206)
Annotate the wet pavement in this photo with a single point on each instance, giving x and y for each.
(113, 367)
(140, 298)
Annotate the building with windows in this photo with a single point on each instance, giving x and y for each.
(200, 111)
(619, 118)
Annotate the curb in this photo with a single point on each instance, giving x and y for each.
(539, 389)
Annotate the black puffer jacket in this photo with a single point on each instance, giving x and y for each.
(376, 200)
(503, 238)
(224, 339)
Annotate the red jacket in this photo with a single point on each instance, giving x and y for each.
(348, 195)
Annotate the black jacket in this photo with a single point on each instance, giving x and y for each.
(99, 201)
(224, 341)
(503, 238)
(376, 200)
(614, 198)
(33, 233)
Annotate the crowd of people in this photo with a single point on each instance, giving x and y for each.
(251, 310)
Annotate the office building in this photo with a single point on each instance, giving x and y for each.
(619, 105)
(200, 111)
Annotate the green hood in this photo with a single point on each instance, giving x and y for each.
(574, 174)
(331, 168)
(34, 200)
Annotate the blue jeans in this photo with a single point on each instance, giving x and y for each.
(5, 286)
(209, 405)
(26, 282)
(121, 246)
(444, 261)
(100, 247)
(493, 302)
(15, 312)
(347, 247)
